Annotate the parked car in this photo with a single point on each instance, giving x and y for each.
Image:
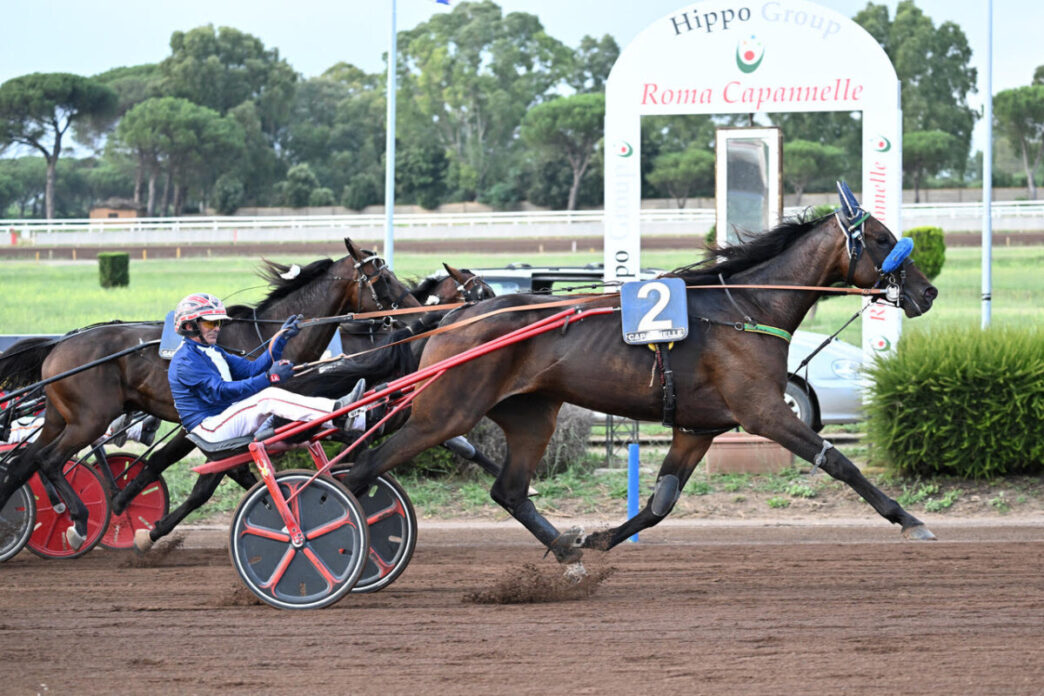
(831, 394)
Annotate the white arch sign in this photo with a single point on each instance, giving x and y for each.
(748, 57)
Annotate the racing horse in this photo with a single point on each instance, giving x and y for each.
(81, 406)
(730, 371)
(458, 285)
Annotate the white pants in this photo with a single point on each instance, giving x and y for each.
(25, 428)
(245, 417)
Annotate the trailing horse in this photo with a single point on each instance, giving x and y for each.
(80, 407)
(729, 372)
(458, 285)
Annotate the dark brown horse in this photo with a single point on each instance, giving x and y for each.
(458, 285)
(80, 407)
(725, 376)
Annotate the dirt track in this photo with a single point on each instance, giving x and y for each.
(696, 608)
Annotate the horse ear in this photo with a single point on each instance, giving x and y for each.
(457, 276)
(848, 200)
(351, 248)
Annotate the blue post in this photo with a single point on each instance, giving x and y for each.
(632, 483)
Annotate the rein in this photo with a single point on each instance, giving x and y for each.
(749, 326)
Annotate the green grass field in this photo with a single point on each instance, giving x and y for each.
(54, 297)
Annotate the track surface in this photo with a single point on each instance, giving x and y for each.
(696, 608)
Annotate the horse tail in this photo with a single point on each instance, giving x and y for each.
(20, 365)
(335, 379)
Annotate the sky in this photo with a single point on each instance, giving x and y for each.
(89, 37)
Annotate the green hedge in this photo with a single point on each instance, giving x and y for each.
(929, 253)
(963, 403)
(114, 269)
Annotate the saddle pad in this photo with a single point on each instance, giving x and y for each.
(170, 340)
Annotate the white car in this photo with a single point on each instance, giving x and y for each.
(831, 394)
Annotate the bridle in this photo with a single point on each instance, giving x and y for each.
(366, 280)
(477, 291)
(891, 274)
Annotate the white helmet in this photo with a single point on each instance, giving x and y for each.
(198, 305)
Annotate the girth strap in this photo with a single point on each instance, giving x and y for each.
(663, 366)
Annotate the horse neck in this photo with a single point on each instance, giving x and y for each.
(331, 295)
(811, 261)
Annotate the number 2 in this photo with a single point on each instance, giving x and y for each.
(649, 322)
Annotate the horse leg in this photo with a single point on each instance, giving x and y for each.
(201, 492)
(52, 459)
(684, 454)
(243, 476)
(17, 471)
(421, 431)
(461, 447)
(777, 422)
(155, 465)
(528, 421)
(27, 461)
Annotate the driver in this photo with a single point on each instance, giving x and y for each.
(220, 396)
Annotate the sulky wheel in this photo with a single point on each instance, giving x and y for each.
(393, 531)
(48, 539)
(332, 558)
(16, 522)
(148, 507)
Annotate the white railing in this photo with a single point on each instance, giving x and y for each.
(581, 223)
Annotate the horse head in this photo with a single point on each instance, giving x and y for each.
(465, 287)
(376, 288)
(873, 258)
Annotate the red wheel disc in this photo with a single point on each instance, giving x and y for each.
(48, 538)
(142, 512)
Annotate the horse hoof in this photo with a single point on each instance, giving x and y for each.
(74, 538)
(598, 540)
(575, 572)
(918, 532)
(142, 541)
(567, 547)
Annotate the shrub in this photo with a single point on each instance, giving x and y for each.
(929, 253)
(567, 448)
(964, 403)
(114, 269)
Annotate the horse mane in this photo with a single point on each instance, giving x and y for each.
(422, 290)
(736, 258)
(273, 273)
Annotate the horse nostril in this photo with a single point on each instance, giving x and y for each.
(931, 293)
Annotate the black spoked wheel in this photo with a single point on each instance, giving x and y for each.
(16, 522)
(329, 563)
(393, 531)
